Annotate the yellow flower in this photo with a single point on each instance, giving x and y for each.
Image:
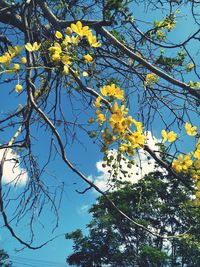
(32, 47)
(23, 60)
(101, 118)
(129, 120)
(138, 125)
(68, 31)
(112, 90)
(66, 70)
(92, 40)
(97, 103)
(137, 139)
(58, 35)
(79, 29)
(71, 40)
(170, 137)
(5, 59)
(56, 48)
(18, 88)
(56, 57)
(123, 148)
(190, 130)
(189, 67)
(182, 164)
(151, 79)
(66, 60)
(88, 58)
(14, 51)
(85, 74)
(16, 67)
(196, 154)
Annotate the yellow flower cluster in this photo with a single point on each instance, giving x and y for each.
(100, 116)
(182, 164)
(63, 49)
(88, 58)
(59, 55)
(8, 56)
(81, 31)
(32, 47)
(151, 79)
(188, 166)
(85, 32)
(169, 23)
(170, 137)
(120, 123)
(190, 130)
(15, 68)
(112, 91)
(97, 103)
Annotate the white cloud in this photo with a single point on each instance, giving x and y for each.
(13, 174)
(143, 165)
(83, 209)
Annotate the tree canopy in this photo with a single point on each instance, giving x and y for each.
(4, 259)
(156, 201)
(102, 73)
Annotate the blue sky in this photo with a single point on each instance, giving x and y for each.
(73, 212)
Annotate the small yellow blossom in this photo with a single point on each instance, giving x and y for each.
(101, 118)
(137, 139)
(189, 67)
(23, 60)
(138, 125)
(80, 30)
(32, 47)
(123, 148)
(68, 31)
(71, 40)
(14, 51)
(92, 40)
(16, 67)
(18, 88)
(88, 58)
(58, 35)
(66, 70)
(190, 130)
(56, 57)
(182, 164)
(85, 74)
(196, 154)
(170, 137)
(97, 103)
(66, 60)
(5, 59)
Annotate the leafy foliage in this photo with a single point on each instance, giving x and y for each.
(4, 259)
(158, 202)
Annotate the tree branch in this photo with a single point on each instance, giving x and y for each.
(146, 64)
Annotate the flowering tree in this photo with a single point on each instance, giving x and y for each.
(68, 67)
